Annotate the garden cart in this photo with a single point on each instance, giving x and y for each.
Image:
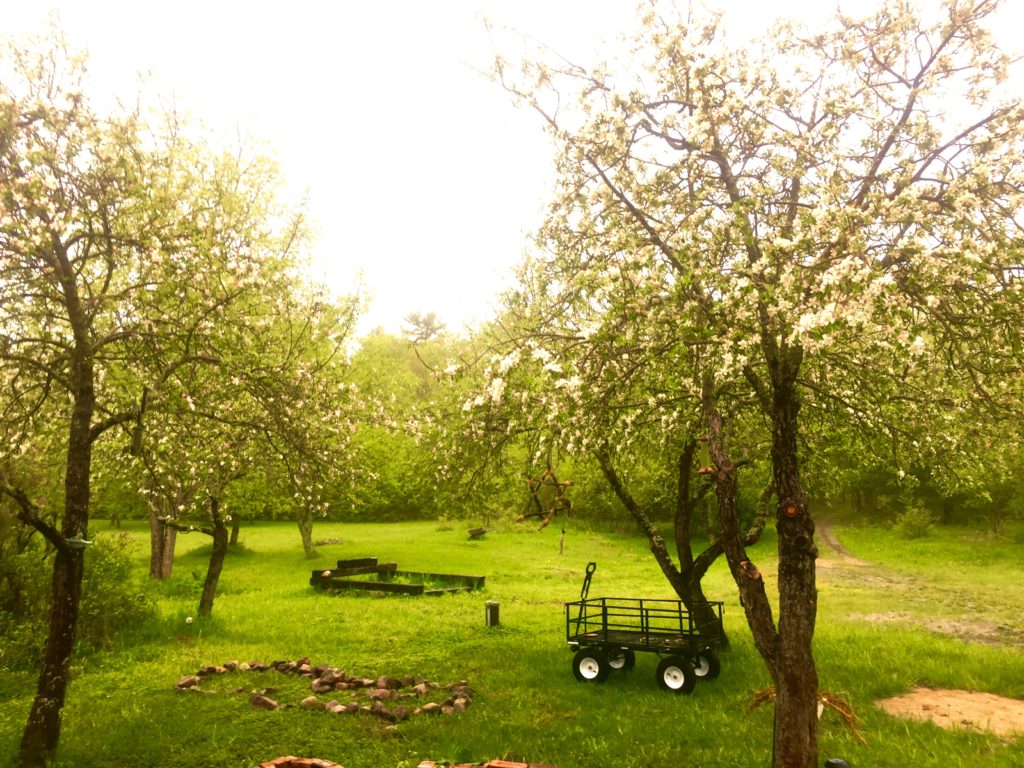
(607, 632)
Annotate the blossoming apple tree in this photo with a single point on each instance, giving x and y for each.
(820, 229)
(133, 263)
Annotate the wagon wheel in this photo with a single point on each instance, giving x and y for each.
(590, 665)
(622, 658)
(675, 675)
(706, 665)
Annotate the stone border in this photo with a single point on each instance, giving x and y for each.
(384, 697)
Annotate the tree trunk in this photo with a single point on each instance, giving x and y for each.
(217, 555)
(692, 571)
(685, 581)
(753, 597)
(42, 731)
(236, 526)
(305, 521)
(162, 539)
(796, 684)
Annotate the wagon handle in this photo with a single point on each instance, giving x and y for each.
(591, 567)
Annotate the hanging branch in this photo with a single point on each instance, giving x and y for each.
(29, 514)
(560, 503)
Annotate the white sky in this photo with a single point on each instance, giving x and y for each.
(421, 175)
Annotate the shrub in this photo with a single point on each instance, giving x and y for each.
(113, 603)
(914, 522)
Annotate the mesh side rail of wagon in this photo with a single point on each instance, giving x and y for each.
(631, 621)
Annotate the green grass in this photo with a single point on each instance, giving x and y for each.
(123, 710)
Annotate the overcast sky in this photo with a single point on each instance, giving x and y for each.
(421, 175)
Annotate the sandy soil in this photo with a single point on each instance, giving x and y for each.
(960, 709)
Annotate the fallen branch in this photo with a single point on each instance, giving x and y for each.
(826, 700)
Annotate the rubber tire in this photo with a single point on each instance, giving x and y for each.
(622, 659)
(706, 665)
(675, 675)
(590, 665)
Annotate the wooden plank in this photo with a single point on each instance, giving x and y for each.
(374, 586)
(355, 570)
(358, 562)
(471, 582)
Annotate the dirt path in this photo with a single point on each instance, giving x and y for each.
(828, 536)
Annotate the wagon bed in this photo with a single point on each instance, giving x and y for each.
(607, 632)
(655, 625)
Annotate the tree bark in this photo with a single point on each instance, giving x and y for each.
(305, 521)
(217, 555)
(796, 684)
(42, 731)
(236, 527)
(162, 540)
(753, 597)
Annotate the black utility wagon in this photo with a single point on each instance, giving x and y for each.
(606, 633)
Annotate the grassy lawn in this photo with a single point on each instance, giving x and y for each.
(942, 611)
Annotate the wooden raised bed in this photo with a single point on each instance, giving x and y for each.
(389, 580)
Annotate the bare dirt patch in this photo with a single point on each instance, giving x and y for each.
(971, 631)
(983, 712)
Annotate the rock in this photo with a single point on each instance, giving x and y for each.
(447, 710)
(401, 712)
(380, 694)
(431, 708)
(388, 682)
(310, 702)
(319, 686)
(459, 705)
(390, 732)
(245, 666)
(329, 675)
(408, 680)
(206, 670)
(231, 665)
(335, 707)
(262, 702)
(422, 689)
(188, 681)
